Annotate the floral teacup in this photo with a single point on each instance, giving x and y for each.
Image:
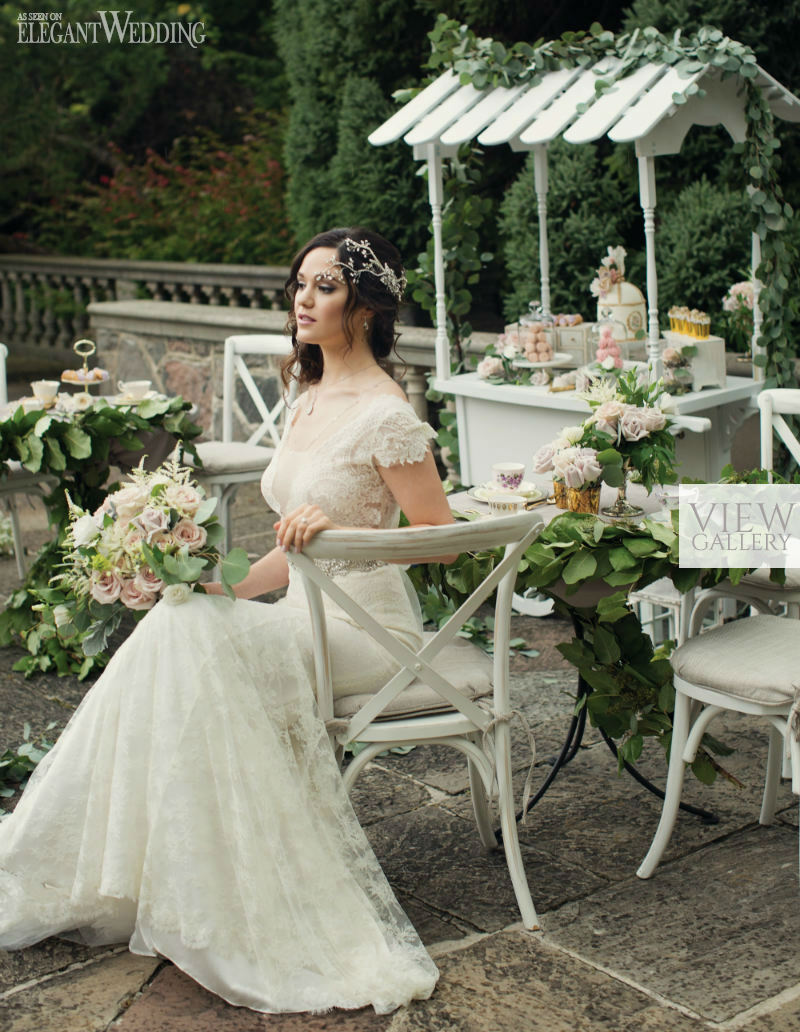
(508, 476)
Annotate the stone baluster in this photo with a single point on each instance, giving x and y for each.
(80, 321)
(20, 319)
(6, 294)
(49, 329)
(416, 384)
(36, 295)
(64, 337)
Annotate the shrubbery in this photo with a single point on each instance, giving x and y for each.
(205, 203)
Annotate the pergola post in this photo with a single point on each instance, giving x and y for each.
(540, 185)
(647, 198)
(755, 261)
(436, 199)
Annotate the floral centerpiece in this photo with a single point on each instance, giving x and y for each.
(150, 540)
(626, 433)
(610, 273)
(737, 307)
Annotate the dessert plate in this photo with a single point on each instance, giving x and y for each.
(527, 489)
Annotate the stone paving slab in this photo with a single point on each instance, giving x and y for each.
(438, 859)
(85, 1000)
(514, 982)
(715, 931)
(175, 1003)
(43, 958)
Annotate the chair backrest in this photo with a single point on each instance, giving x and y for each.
(3, 384)
(411, 544)
(774, 404)
(236, 348)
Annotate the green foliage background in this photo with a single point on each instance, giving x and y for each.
(316, 77)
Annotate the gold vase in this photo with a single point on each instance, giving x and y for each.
(560, 493)
(586, 499)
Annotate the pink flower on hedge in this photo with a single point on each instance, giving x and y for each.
(105, 587)
(187, 532)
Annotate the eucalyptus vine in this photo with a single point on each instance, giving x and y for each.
(487, 63)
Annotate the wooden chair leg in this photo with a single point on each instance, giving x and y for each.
(672, 797)
(508, 824)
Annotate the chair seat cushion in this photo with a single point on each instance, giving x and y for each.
(465, 666)
(760, 579)
(756, 659)
(232, 457)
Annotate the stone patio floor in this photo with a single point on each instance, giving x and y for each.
(711, 942)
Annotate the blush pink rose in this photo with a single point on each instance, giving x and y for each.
(543, 459)
(134, 597)
(187, 532)
(632, 425)
(182, 497)
(609, 412)
(490, 366)
(148, 581)
(151, 521)
(128, 501)
(105, 587)
(652, 419)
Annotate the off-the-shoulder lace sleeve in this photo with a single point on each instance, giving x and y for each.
(398, 436)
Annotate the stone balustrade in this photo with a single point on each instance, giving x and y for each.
(178, 347)
(44, 299)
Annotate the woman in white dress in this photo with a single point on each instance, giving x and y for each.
(193, 806)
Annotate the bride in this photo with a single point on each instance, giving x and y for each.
(193, 806)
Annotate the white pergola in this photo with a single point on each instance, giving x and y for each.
(651, 108)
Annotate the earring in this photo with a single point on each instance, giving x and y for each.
(366, 326)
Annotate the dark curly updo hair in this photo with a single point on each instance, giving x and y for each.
(364, 290)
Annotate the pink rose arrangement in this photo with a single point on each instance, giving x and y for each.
(151, 539)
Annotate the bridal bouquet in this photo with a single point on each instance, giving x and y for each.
(152, 539)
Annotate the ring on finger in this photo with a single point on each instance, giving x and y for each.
(303, 520)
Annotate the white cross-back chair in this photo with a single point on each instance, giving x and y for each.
(749, 666)
(228, 463)
(16, 480)
(756, 589)
(432, 698)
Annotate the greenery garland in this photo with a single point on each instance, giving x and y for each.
(487, 63)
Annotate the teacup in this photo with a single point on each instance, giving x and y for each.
(45, 390)
(503, 504)
(134, 389)
(508, 475)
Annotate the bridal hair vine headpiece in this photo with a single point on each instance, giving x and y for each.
(368, 261)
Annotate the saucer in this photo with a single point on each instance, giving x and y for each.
(126, 399)
(527, 489)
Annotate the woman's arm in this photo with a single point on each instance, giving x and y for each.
(268, 574)
(416, 487)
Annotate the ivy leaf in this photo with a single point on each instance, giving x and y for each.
(78, 442)
(580, 567)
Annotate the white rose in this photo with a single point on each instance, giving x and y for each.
(176, 594)
(151, 521)
(609, 362)
(510, 350)
(572, 434)
(84, 530)
(632, 426)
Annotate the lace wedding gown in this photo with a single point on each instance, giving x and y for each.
(193, 806)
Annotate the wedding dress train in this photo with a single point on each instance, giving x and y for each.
(193, 806)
